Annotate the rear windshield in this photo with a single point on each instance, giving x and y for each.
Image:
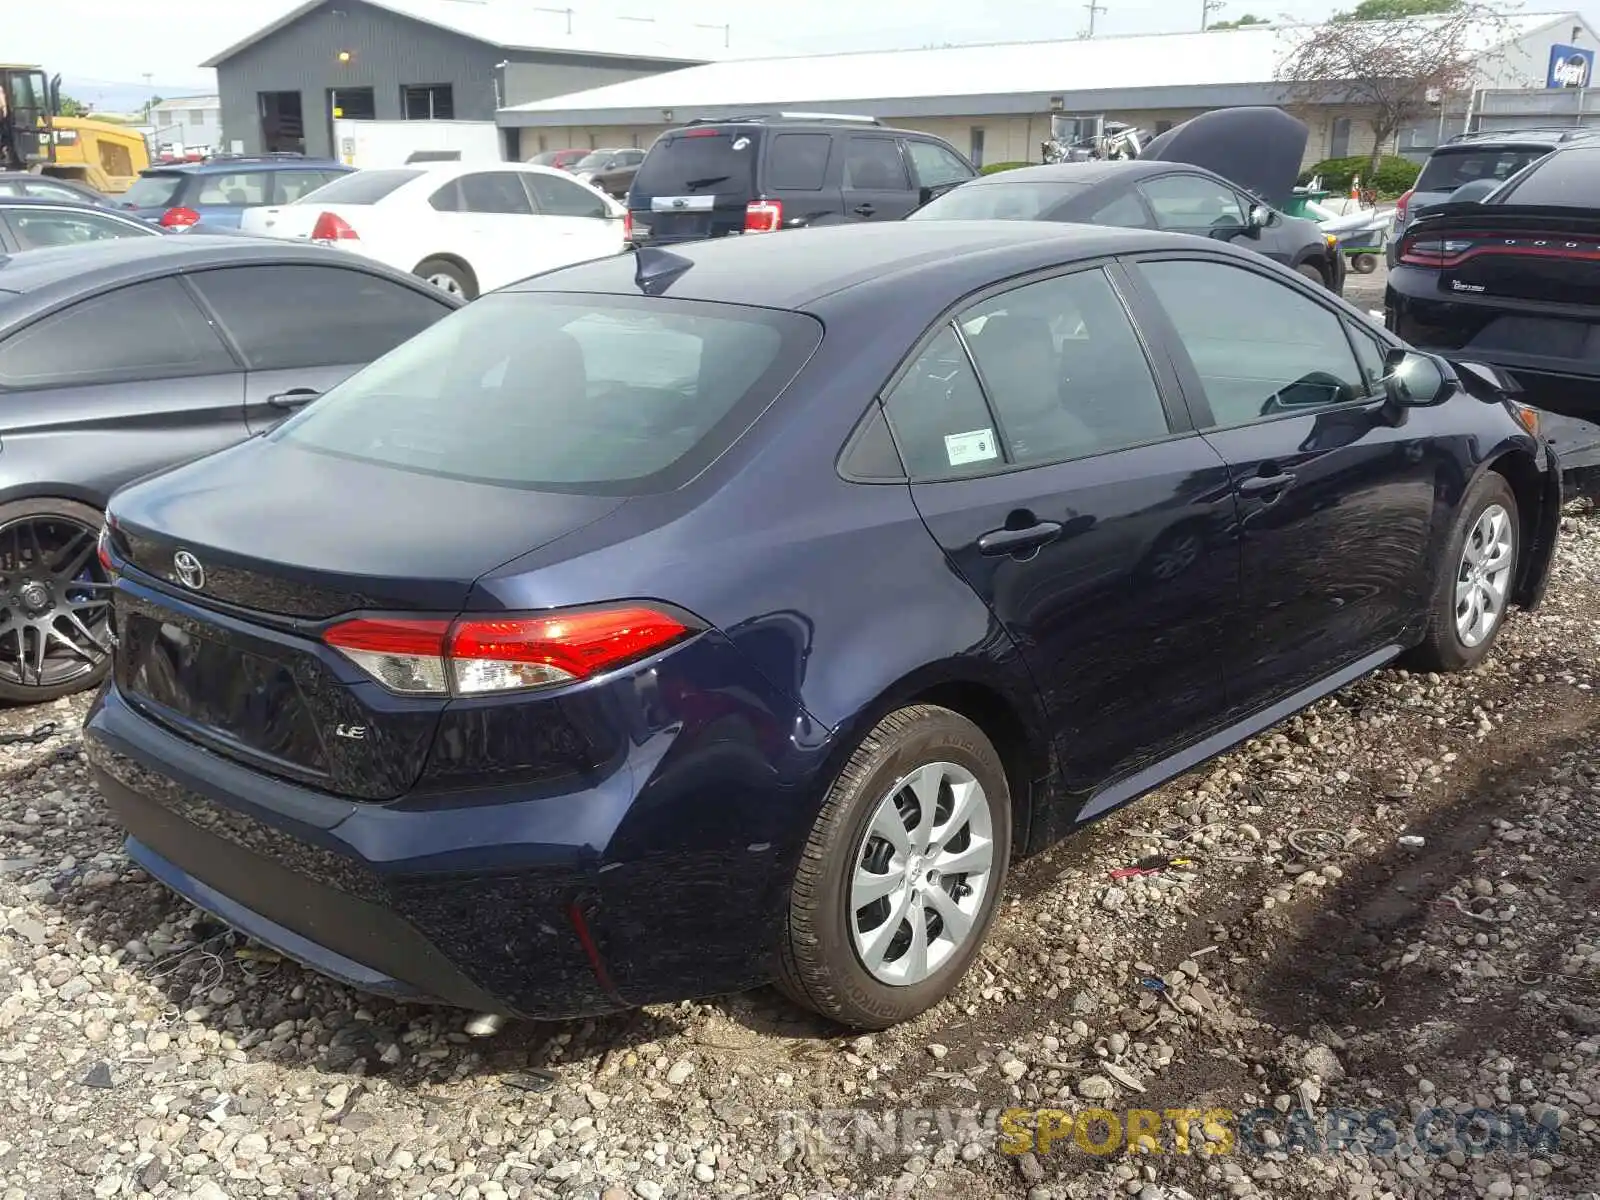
(1019, 201)
(363, 187)
(700, 162)
(1567, 180)
(613, 395)
(153, 191)
(1449, 169)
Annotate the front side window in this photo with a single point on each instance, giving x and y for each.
(1064, 370)
(564, 198)
(1260, 347)
(603, 395)
(1192, 202)
(937, 167)
(146, 331)
(38, 228)
(287, 315)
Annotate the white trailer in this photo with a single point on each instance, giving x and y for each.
(396, 143)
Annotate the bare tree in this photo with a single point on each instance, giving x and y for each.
(1396, 70)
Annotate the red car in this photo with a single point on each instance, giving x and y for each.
(561, 160)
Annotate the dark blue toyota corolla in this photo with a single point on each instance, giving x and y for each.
(676, 622)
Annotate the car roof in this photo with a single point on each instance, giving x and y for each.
(231, 165)
(796, 269)
(1484, 139)
(125, 260)
(56, 202)
(1092, 171)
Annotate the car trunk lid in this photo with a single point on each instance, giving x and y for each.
(695, 183)
(1257, 148)
(1524, 252)
(227, 648)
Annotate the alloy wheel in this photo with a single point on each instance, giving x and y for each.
(55, 602)
(921, 873)
(1483, 578)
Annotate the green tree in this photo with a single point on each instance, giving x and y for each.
(72, 108)
(1390, 10)
(1244, 21)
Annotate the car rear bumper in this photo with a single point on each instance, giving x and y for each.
(541, 907)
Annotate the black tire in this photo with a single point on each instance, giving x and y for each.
(17, 554)
(1365, 264)
(435, 268)
(1312, 272)
(1442, 648)
(818, 964)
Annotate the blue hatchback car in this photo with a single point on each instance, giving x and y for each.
(215, 193)
(668, 624)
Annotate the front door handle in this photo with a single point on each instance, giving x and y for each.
(293, 398)
(1258, 485)
(863, 210)
(1018, 541)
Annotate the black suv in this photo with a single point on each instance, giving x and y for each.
(760, 174)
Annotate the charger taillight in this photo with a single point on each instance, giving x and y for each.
(763, 216)
(480, 655)
(1403, 205)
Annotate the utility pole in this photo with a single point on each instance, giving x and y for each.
(1093, 9)
(1207, 7)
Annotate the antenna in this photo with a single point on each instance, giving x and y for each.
(655, 270)
(1093, 8)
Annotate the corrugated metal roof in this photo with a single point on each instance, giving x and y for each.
(1218, 58)
(519, 25)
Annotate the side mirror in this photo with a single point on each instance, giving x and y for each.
(1412, 379)
(1260, 216)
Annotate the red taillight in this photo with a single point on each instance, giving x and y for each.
(627, 225)
(179, 218)
(1454, 248)
(1402, 205)
(331, 227)
(763, 216)
(474, 656)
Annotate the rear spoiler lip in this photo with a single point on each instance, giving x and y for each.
(1503, 216)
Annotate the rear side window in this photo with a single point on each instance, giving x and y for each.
(798, 162)
(239, 188)
(1568, 180)
(874, 164)
(1446, 170)
(286, 316)
(496, 192)
(609, 395)
(153, 191)
(147, 331)
(940, 420)
(365, 187)
(997, 202)
(700, 162)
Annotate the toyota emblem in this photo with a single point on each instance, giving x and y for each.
(190, 573)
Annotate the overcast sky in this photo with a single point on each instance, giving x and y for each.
(122, 41)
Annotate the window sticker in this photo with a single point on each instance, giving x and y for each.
(964, 448)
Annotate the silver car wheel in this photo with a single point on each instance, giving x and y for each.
(1483, 579)
(447, 283)
(922, 871)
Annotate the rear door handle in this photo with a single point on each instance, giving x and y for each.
(1014, 541)
(1258, 485)
(293, 398)
(863, 210)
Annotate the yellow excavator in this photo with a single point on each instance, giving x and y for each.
(34, 136)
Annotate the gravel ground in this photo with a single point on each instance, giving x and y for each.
(1389, 905)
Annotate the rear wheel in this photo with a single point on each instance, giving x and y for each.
(55, 601)
(902, 873)
(1475, 580)
(448, 277)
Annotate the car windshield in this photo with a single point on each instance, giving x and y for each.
(608, 395)
(1019, 201)
(699, 162)
(1449, 169)
(361, 187)
(152, 191)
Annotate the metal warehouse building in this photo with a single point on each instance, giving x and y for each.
(994, 102)
(283, 86)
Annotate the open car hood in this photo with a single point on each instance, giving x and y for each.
(1258, 148)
